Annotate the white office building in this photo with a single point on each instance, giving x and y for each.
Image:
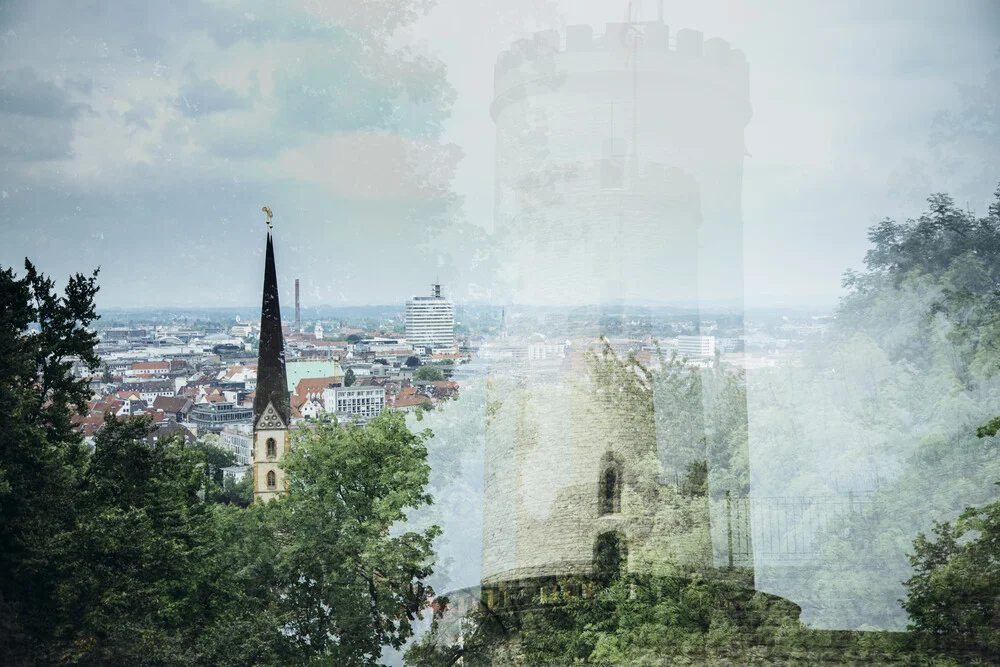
(430, 321)
(544, 351)
(349, 402)
(696, 346)
(238, 439)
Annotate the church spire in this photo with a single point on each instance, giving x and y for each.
(272, 383)
(270, 404)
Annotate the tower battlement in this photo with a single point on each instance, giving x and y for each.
(548, 56)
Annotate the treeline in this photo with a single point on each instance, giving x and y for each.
(139, 554)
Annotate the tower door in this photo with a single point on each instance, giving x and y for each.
(610, 556)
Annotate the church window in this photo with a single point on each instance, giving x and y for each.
(272, 448)
(271, 479)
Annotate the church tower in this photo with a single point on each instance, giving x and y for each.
(270, 405)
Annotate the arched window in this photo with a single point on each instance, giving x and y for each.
(271, 479)
(272, 448)
(610, 556)
(610, 488)
(610, 491)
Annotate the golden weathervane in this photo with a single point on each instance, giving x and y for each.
(267, 210)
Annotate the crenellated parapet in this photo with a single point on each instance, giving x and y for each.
(550, 60)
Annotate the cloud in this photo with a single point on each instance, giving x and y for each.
(36, 117)
(201, 97)
(139, 116)
(32, 138)
(372, 166)
(23, 93)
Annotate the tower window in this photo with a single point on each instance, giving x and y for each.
(611, 490)
(271, 479)
(272, 448)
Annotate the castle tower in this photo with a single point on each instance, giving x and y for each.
(270, 406)
(619, 163)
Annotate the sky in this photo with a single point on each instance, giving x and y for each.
(145, 138)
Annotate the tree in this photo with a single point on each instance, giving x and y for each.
(412, 361)
(695, 479)
(910, 361)
(349, 377)
(990, 429)
(957, 257)
(41, 456)
(236, 491)
(137, 553)
(352, 586)
(424, 406)
(428, 374)
(954, 596)
(216, 458)
(353, 338)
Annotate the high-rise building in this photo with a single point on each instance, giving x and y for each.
(696, 346)
(430, 320)
(271, 410)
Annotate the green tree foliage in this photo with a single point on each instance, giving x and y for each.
(134, 585)
(353, 338)
(954, 596)
(236, 491)
(990, 429)
(898, 385)
(216, 458)
(41, 457)
(349, 377)
(696, 479)
(429, 374)
(955, 257)
(412, 361)
(352, 586)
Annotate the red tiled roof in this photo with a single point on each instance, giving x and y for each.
(151, 366)
(410, 401)
(311, 386)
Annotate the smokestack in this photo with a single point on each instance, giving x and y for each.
(298, 313)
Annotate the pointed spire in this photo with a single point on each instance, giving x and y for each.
(272, 383)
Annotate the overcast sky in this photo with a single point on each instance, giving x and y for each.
(145, 137)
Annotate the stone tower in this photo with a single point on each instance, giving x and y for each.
(270, 405)
(619, 162)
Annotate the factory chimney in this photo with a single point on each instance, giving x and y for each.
(298, 312)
